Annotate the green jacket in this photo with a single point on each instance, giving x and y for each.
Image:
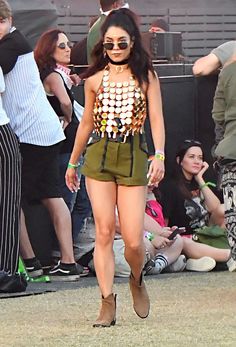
(94, 36)
(224, 111)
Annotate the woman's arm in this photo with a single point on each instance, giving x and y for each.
(54, 84)
(83, 132)
(155, 112)
(156, 170)
(153, 226)
(210, 199)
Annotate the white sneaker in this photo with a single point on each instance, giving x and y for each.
(178, 266)
(231, 263)
(203, 264)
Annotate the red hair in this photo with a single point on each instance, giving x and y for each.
(45, 47)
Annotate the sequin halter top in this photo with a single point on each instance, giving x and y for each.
(119, 109)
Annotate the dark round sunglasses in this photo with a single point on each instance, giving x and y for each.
(110, 45)
(63, 45)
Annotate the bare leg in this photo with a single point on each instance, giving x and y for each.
(173, 251)
(131, 206)
(61, 219)
(102, 196)
(197, 250)
(26, 250)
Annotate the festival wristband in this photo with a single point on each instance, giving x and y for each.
(72, 166)
(207, 184)
(159, 156)
(149, 236)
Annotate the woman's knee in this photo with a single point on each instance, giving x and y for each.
(105, 235)
(179, 241)
(134, 245)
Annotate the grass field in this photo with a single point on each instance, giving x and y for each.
(186, 310)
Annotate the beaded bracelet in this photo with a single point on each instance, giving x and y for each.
(149, 236)
(207, 184)
(72, 166)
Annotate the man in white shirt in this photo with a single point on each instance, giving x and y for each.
(40, 134)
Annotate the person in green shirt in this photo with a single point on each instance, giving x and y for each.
(94, 33)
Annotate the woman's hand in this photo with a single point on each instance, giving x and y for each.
(156, 171)
(160, 242)
(72, 180)
(65, 124)
(198, 177)
(75, 79)
(166, 231)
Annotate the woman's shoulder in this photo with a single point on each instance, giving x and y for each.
(95, 80)
(46, 71)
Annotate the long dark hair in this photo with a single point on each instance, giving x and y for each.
(139, 60)
(45, 47)
(177, 174)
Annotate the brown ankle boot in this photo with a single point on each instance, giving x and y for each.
(141, 301)
(107, 316)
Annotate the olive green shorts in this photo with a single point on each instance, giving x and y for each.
(123, 163)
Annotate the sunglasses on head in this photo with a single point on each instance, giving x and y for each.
(110, 45)
(194, 142)
(63, 45)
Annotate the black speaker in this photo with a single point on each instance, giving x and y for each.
(163, 45)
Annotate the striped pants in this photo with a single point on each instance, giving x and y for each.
(10, 195)
(228, 185)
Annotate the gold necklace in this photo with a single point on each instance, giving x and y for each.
(119, 68)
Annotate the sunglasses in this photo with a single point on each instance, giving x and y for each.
(63, 45)
(110, 45)
(153, 212)
(194, 142)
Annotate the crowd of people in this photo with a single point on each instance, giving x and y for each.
(92, 163)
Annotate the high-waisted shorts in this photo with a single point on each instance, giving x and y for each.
(123, 163)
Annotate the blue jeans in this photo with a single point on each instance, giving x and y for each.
(81, 210)
(66, 194)
(78, 203)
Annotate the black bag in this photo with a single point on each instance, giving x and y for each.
(12, 283)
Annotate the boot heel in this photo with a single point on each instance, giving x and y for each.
(107, 316)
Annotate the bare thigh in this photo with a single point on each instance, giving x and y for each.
(131, 203)
(102, 196)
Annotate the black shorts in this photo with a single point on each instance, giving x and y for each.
(40, 172)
